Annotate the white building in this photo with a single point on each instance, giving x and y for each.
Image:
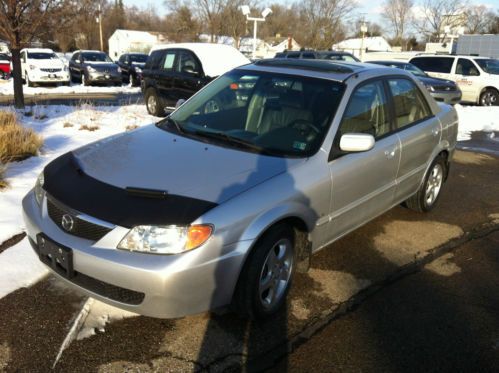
(125, 41)
(371, 44)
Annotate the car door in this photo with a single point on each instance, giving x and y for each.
(74, 69)
(363, 184)
(419, 132)
(164, 76)
(189, 76)
(467, 77)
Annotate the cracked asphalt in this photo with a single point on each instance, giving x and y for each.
(406, 292)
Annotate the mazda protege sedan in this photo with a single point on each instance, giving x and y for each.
(224, 200)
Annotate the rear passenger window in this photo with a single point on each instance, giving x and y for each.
(168, 61)
(410, 105)
(434, 64)
(466, 67)
(367, 111)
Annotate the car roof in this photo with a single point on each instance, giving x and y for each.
(324, 69)
(453, 55)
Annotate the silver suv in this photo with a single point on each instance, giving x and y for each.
(218, 203)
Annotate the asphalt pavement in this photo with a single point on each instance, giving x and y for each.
(406, 292)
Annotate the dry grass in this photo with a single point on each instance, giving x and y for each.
(86, 127)
(67, 124)
(16, 142)
(3, 182)
(131, 127)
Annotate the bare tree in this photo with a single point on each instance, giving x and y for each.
(23, 20)
(478, 19)
(435, 15)
(322, 21)
(398, 13)
(210, 13)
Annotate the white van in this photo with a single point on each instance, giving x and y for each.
(477, 77)
(42, 65)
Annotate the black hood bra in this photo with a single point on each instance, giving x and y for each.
(67, 182)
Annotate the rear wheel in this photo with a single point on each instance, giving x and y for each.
(429, 192)
(489, 97)
(266, 276)
(153, 103)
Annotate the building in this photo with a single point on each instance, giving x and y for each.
(479, 45)
(128, 41)
(370, 44)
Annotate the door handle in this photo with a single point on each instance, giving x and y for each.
(390, 153)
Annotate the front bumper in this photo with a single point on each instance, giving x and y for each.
(448, 97)
(48, 76)
(172, 285)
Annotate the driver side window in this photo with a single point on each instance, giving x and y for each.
(367, 111)
(187, 63)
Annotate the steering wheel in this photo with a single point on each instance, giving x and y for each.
(304, 126)
(212, 106)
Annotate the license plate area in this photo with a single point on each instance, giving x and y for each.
(56, 256)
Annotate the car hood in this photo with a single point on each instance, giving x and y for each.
(156, 159)
(139, 64)
(436, 81)
(102, 65)
(47, 64)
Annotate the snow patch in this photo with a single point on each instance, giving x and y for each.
(477, 119)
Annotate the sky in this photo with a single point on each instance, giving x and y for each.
(370, 9)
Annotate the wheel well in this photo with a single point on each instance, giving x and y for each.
(489, 87)
(445, 155)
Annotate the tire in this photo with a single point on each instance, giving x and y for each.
(489, 97)
(267, 274)
(426, 198)
(134, 80)
(154, 103)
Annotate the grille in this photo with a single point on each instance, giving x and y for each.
(444, 88)
(51, 70)
(81, 228)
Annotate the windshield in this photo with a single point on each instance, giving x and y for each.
(274, 114)
(42, 56)
(96, 57)
(490, 66)
(140, 58)
(414, 70)
(338, 57)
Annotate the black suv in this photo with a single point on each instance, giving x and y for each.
(318, 55)
(90, 67)
(131, 65)
(170, 75)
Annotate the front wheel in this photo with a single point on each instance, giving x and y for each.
(429, 192)
(29, 83)
(84, 80)
(266, 276)
(489, 97)
(153, 103)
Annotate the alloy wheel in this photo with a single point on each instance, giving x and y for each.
(434, 184)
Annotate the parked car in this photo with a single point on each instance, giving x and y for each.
(4, 66)
(91, 67)
(442, 90)
(208, 208)
(318, 55)
(131, 65)
(41, 65)
(477, 77)
(177, 71)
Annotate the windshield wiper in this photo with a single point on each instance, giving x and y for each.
(175, 123)
(235, 140)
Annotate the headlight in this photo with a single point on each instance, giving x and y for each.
(39, 192)
(119, 69)
(32, 67)
(90, 69)
(430, 88)
(165, 239)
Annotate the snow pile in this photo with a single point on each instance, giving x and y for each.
(476, 119)
(7, 88)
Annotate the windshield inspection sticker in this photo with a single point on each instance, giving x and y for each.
(299, 145)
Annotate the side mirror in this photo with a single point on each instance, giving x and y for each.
(189, 70)
(179, 103)
(356, 142)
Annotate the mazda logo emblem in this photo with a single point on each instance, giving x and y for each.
(67, 222)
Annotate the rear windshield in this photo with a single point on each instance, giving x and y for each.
(490, 66)
(95, 57)
(434, 64)
(42, 56)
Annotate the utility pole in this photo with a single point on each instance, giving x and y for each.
(363, 29)
(99, 21)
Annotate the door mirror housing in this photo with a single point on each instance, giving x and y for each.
(356, 142)
(179, 103)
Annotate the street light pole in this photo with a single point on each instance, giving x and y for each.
(363, 29)
(246, 11)
(100, 29)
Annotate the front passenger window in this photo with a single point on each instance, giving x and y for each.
(367, 111)
(410, 105)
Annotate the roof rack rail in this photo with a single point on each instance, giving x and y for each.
(313, 65)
